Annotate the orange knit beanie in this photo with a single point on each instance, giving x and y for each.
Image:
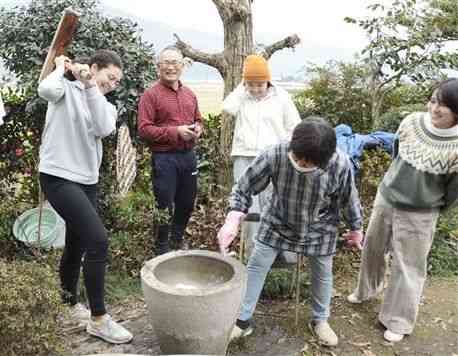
(256, 68)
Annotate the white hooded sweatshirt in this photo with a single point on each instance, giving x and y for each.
(260, 123)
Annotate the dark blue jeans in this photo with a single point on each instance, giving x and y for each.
(85, 235)
(175, 188)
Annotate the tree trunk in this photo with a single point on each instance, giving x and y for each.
(377, 99)
(237, 21)
(225, 177)
(238, 43)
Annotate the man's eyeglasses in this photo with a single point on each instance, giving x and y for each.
(171, 63)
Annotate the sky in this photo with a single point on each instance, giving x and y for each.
(319, 23)
(315, 21)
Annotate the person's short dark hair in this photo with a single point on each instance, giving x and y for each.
(447, 95)
(314, 140)
(105, 57)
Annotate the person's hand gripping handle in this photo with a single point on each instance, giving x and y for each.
(229, 230)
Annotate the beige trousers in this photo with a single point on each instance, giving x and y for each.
(408, 236)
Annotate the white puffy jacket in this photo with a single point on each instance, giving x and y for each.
(260, 123)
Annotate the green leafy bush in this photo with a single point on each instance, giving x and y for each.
(19, 138)
(131, 243)
(443, 258)
(29, 306)
(131, 221)
(8, 214)
(281, 283)
(337, 91)
(209, 158)
(409, 94)
(34, 25)
(390, 120)
(374, 164)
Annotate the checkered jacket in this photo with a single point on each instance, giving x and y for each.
(303, 213)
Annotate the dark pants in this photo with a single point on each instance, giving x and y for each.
(175, 187)
(85, 235)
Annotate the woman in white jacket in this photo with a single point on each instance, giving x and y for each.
(264, 115)
(78, 117)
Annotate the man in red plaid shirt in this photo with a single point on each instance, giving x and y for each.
(170, 122)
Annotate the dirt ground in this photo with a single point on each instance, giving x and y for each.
(275, 334)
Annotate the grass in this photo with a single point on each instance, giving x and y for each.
(119, 287)
(209, 96)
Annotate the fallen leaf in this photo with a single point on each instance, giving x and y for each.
(360, 344)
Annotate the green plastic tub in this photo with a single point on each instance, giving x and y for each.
(25, 228)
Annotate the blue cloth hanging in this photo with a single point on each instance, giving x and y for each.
(354, 144)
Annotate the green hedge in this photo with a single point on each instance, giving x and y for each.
(29, 306)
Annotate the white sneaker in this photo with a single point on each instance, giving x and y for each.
(392, 337)
(109, 330)
(79, 313)
(239, 332)
(324, 333)
(352, 298)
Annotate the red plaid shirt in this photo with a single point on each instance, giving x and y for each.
(161, 110)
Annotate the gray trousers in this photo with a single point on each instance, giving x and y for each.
(408, 236)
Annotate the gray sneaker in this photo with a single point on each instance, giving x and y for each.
(109, 330)
(392, 337)
(238, 332)
(324, 333)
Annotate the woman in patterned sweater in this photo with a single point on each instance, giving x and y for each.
(421, 182)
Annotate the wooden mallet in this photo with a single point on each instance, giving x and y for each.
(62, 38)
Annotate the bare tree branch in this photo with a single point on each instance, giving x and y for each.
(214, 60)
(288, 42)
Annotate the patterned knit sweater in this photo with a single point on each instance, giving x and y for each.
(424, 172)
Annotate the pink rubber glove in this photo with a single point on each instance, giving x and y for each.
(354, 239)
(229, 230)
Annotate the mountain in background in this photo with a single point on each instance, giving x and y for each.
(285, 63)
